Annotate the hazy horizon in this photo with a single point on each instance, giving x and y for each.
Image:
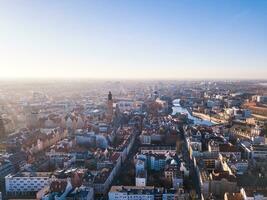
(118, 40)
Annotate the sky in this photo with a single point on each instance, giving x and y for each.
(137, 39)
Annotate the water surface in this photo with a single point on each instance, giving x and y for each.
(177, 108)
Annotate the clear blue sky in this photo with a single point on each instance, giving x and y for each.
(133, 39)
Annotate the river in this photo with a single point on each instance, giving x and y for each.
(178, 109)
(263, 84)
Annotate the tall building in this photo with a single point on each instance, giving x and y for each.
(32, 118)
(2, 127)
(110, 107)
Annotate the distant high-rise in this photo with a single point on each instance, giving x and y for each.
(2, 127)
(110, 107)
(32, 118)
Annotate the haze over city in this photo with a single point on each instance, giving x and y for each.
(133, 100)
(133, 39)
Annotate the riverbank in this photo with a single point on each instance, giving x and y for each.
(261, 117)
(207, 117)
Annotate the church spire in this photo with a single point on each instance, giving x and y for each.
(109, 96)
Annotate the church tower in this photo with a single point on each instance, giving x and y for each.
(110, 107)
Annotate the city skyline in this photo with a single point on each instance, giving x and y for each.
(133, 39)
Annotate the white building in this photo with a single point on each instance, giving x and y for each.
(262, 99)
(238, 113)
(158, 150)
(128, 105)
(144, 193)
(131, 192)
(27, 182)
(141, 179)
(256, 131)
(213, 146)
